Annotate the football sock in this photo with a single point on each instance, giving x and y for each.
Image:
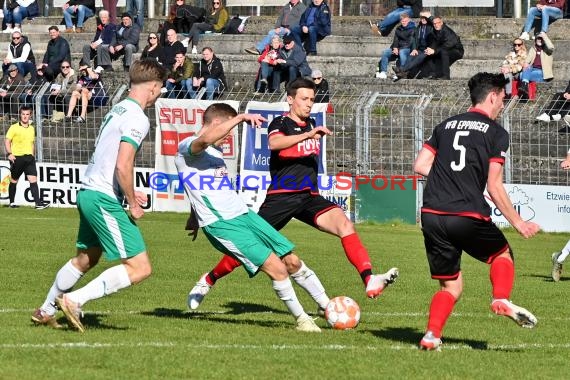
(224, 267)
(12, 192)
(357, 255)
(502, 276)
(565, 253)
(65, 279)
(108, 282)
(308, 280)
(440, 309)
(35, 193)
(286, 293)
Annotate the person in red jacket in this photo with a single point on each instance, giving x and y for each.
(267, 61)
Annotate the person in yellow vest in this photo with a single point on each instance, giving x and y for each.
(20, 149)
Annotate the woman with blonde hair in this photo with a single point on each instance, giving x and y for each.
(513, 64)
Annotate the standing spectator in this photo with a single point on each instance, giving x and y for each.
(20, 149)
(292, 62)
(111, 6)
(152, 50)
(13, 15)
(558, 107)
(423, 35)
(321, 87)
(315, 24)
(538, 65)
(60, 91)
(125, 42)
(210, 75)
(215, 22)
(81, 10)
(11, 87)
(170, 49)
(57, 51)
(88, 85)
(400, 48)
(544, 10)
(444, 50)
(136, 8)
(20, 54)
(513, 64)
(459, 166)
(288, 18)
(410, 7)
(267, 63)
(180, 77)
(100, 45)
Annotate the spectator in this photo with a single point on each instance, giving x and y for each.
(267, 63)
(56, 52)
(125, 43)
(292, 62)
(136, 8)
(210, 75)
(14, 12)
(27, 98)
(152, 50)
(513, 64)
(445, 48)
(172, 47)
(215, 22)
(11, 87)
(182, 17)
(410, 7)
(88, 85)
(180, 77)
(111, 6)
(100, 45)
(81, 10)
(538, 65)
(20, 54)
(288, 18)
(400, 48)
(558, 107)
(315, 24)
(321, 87)
(544, 10)
(423, 35)
(60, 91)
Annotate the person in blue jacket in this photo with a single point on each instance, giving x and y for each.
(315, 24)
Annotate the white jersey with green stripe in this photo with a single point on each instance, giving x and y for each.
(207, 184)
(127, 122)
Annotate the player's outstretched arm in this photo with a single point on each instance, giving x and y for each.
(279, 142)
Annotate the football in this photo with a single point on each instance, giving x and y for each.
(342, 313)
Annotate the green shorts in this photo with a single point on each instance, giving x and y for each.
(104, 223)
(249, 239)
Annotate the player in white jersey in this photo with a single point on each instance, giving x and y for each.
(104, 226)
(225, 219)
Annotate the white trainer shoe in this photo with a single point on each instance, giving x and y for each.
(381, 75)
(194, 50)
(379, 282)
(524, 36)
(556, 267)
(307, 324)
(430, 343)
(198, 292)
(521, 316)
(543, 117)
(556, 117)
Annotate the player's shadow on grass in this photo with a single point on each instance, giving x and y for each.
(412, 336)
(546, 278)
(90, 321)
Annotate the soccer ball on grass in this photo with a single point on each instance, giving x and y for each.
(342, 313)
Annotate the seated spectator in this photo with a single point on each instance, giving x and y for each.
(215, 22)
(181, 17)
(445, 48)
(28, 96)
(81, 10)
(513, 64)
(100, 45)
(210, 75)
(410, 7)
(423, 35)
(321, 87)
(292, 62)
(152, 50)
(136, 8)
(125, 43)
(14, 12)
(538, 65)
(400, 48)
(11, 87)
(315, 24)
(558, 108)
(172, 47)
(544, 10)
(180, 77)
(59, 93)
(20, 54)
(288, 18)
(56, 52)
(89, 85)
(267, 62)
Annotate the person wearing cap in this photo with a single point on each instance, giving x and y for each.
(11, 87)
(125, 42)
(292, 62)
(100, 45)
(20, 54)
(321, 87)
(57, 51)
(88, 85)
(81, 10)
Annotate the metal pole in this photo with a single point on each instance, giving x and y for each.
(150, 9)
(517, 8)
(340, 8)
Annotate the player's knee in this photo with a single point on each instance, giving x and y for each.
(292, 263)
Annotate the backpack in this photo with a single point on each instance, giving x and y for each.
(235, 25)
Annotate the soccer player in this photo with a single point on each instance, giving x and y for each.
(559, 257)
(224, 217)
(104, 226)
(20, 149)
(464, 154)
(293, 193)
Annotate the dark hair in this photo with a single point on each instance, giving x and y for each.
(300, 83)
(481, 84)
(222, 110)
(26, 107)
(53, 27)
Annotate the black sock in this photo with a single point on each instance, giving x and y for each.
(35, 193)
(12, 191)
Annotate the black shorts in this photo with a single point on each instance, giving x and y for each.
(446, 236)
(279, 209)
(23, 164)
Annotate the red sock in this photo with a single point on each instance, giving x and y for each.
(226, 266)
(357, 255)
(440, 309)
(502, 276)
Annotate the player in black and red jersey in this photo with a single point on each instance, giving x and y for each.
(464, 154)
(293, 193)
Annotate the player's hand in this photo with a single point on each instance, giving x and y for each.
(136, 211)
(319, 132)
(527, 229)
(192, 225)
(255, 119)
(141, 198)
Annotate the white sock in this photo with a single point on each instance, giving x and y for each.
(308, 280)
(108, 282)
(286, 293)
(65, 279)
(565, 253)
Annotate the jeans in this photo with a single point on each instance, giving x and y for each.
(413, 61)
(312, 37)
(23, 67)
(136, 9)
(387, 56)
(212, 84)
(178, 91)
(393, 18)
(532, 74)
(83, 13)
(267, 39)
(545, 14)
(266, 72)
(14, 16)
